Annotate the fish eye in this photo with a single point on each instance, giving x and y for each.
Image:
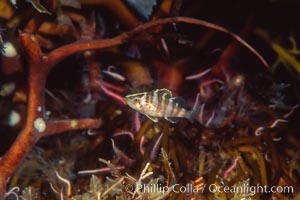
(135, 100)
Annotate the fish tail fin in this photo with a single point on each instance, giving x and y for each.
(190, 115)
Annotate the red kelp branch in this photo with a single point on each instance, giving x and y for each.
(36, 125)
(39, 66)
(67, 50)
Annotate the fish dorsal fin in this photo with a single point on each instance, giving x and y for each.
(180, 101)
(154, 119)
(161, 92)
(164, 92)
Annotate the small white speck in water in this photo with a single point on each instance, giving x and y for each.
(40, 125)
(7, 89)
(10, 50)
(14, 118)
(87, 53)
(48, 113)
(39, 109)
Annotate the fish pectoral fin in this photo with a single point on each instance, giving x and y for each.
(154, 119)
(172, 119)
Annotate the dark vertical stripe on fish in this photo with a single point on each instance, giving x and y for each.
(159, 105)
(169, 108)
(164, 105)
(155, 100)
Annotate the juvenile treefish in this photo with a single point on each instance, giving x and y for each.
(159, 103)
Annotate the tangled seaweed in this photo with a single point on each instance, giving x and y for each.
(66, 71)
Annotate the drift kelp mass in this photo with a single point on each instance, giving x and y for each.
(149, 99)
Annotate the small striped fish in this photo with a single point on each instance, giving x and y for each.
(159, 104)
